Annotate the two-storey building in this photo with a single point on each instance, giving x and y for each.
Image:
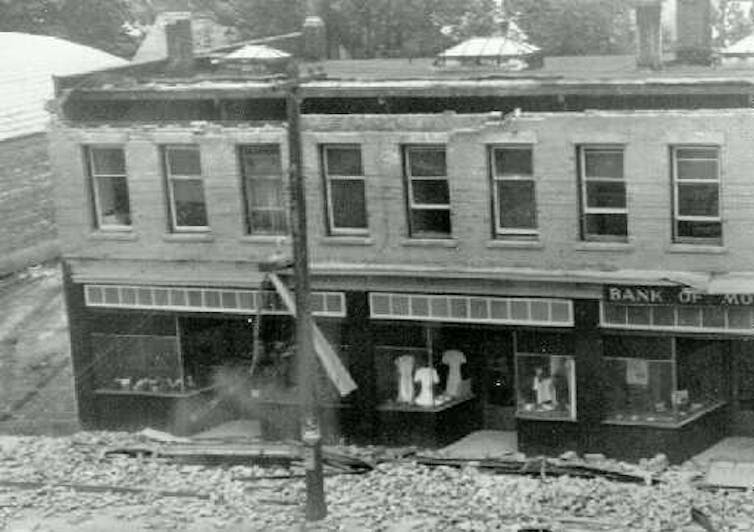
(564, 252)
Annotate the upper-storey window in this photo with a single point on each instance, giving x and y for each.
(696, 194)
(604, 215)
(107, 174)
(513, 197)
(428, 191)
(188, 210)
(345, 189)
(263, 191)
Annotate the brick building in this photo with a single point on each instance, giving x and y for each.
(564, 252)
(26, 204)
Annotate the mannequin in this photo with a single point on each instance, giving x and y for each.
(544, 391)
(426, 377)
(454, 360)
(405, 365)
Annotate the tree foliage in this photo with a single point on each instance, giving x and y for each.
(576, 27)
(732, 21)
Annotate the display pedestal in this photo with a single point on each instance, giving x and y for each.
(428, 427)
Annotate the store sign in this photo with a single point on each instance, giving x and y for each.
(671, 295)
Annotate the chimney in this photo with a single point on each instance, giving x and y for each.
(313, 36)
(178, 34)
(649, 29)
(694, 23)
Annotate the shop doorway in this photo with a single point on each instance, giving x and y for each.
(742, 352)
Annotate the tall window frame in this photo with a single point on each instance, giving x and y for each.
(603, 195)
(519, 173)
(263, 215)
(692, 158)
(423, 214)
(338, 180)
(173, 179)
(115, 220)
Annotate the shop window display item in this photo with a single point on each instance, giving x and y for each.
(426, 377)
(546, 386)
(454, 359)
(405, 365)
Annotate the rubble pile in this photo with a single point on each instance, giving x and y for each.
(62, 477)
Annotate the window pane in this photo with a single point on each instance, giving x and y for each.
(697, 170)
(431, 192)
(698, 199)
(513, 161)
(430, 222)
(516, 203)
(108, 161)
(603, 163)
(261, 160)
(696, 153)
(606, 224)
(348, 203)
(112, 193)
(184, 161)
(264, 193)
(264, 221)
(344, 161)
(606, 194)
(688, 229)
(427, 162)
(189, 203)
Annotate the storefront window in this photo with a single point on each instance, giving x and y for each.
(545, 377)
(656, 380)
(415, 374)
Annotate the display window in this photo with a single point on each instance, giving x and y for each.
(417, 372)
(660, 380)
(545, 376)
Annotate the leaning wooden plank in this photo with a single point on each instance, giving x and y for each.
(329, 359)
(89, 488)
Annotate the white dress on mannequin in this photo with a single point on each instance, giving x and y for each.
(454, 360)
(405, 365)
(426, 377)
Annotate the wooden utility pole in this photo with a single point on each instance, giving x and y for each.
(311, 436)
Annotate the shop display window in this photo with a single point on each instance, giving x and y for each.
(416, 374)
(545, 376)
(139, 363)
(660, 380)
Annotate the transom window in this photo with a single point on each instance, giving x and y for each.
(513, 196)
(188, 210)
(696, 194)
(107, 174)
(428, 192)
(604, 215)
(345, 188)
(263, 191)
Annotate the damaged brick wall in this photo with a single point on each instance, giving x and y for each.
(26, 204)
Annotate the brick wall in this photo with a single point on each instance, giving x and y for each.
(646, 136)
(27, 221)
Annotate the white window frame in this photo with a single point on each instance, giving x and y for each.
(329, 178)
(94, 176)
(583, 179)
(677, 183)
(413, 205)
(247, 208)
(170, 179)
(498, 178)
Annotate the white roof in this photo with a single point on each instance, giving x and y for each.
(27, 64)
(256, 51)
(744, 46)
(489, 47)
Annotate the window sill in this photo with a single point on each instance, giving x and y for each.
(430, 242)
(515, 244)
(604, 246)
(346, 241)
(188, 237)
(697, 248)
(264, 239)
(113, 234)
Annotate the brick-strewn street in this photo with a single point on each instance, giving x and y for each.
(36, 382)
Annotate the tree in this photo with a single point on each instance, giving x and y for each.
(575, 27)
(731, 22)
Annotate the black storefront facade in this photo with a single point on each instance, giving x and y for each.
(628, 374)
